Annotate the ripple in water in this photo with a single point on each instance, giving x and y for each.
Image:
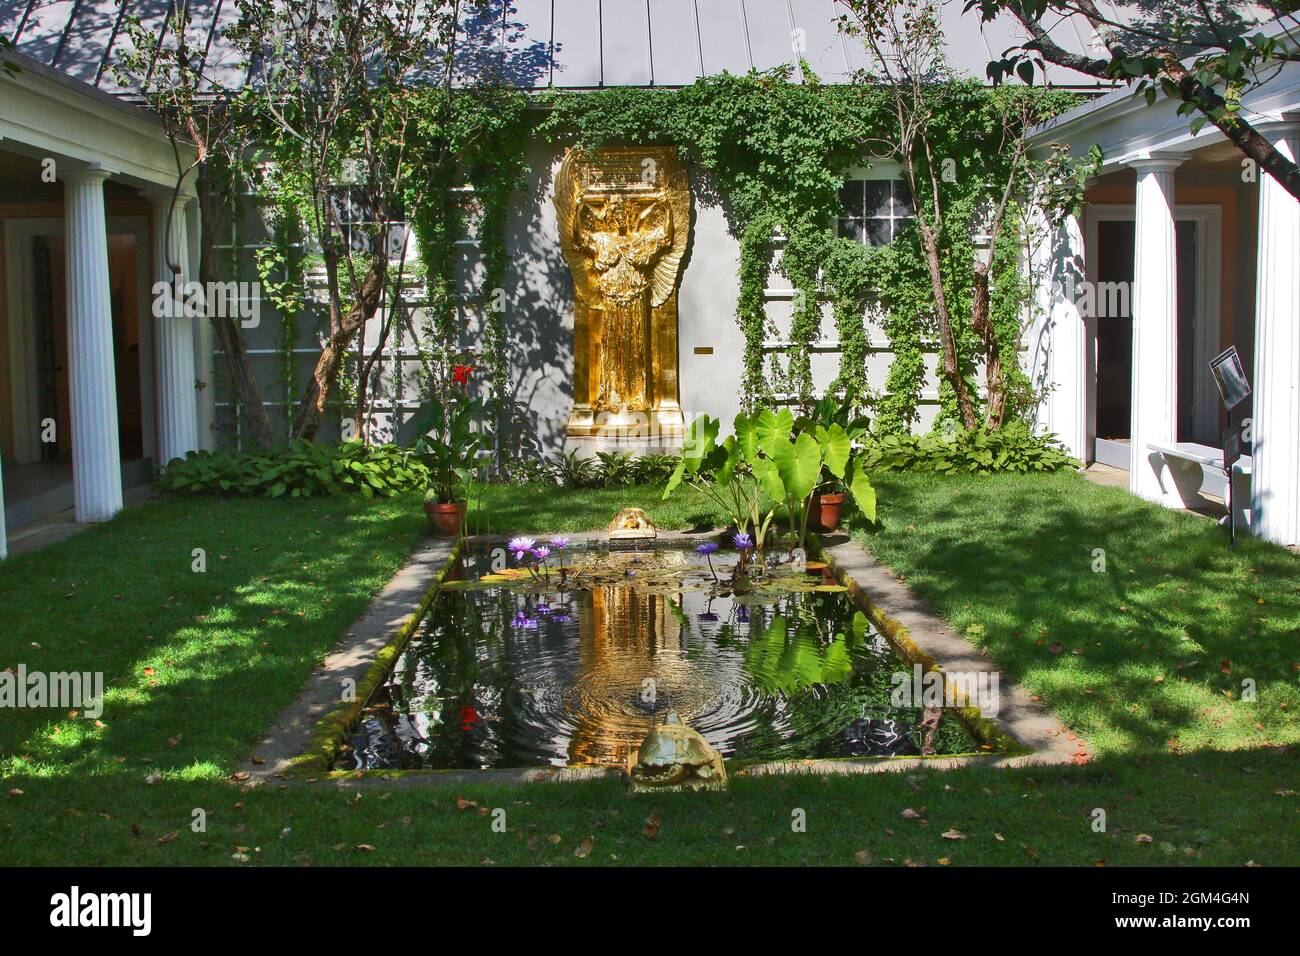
(505, 677)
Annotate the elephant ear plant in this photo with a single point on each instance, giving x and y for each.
(772, 462)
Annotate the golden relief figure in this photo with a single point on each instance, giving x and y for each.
(624, 218)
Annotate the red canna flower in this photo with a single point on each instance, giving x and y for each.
(461, 373)
(468, 717)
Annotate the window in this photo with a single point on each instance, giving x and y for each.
(874, 209)
(360, 225)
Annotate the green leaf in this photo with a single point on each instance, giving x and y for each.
(799, 464)
(675, 478)
(860, 487)
(835, 447)
(769, 479)
(770, 429)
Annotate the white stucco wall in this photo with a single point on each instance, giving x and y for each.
(539, 324)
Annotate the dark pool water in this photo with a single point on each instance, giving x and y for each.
(531, 672)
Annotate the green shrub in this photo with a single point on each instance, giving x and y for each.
(969, 451)
(653, 469)
(303, 469)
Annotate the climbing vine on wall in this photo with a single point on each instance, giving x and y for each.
(775, 153)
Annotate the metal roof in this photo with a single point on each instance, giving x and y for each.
(577, 44)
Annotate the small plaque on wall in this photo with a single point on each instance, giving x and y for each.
(703, 350)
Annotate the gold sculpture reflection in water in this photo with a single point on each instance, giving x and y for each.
(624, 219)
(628, 637)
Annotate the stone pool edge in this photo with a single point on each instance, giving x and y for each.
(1024, 732)
(305, 737)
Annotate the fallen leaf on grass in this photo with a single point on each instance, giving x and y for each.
(1144, 838)
(863, 857)
(652, 824)
(910, 814)
(583, 849)
(167, 837)
(953, 834)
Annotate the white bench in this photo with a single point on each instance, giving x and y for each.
(1185, 458)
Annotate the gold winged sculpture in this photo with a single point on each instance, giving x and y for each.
(624, 221)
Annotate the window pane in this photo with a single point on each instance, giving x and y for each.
(878, 233)
(851, 229)
(902, 198)
(877, 197)
(851, 198)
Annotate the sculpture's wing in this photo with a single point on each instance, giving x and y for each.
(678, 223)
(567, 211)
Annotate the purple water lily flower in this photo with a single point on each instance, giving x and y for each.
(520, 547)
(707, 549)
(525, 621)
(707, 616)
(541, 553)
(559, 544)
(742, 541)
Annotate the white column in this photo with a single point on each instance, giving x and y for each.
(205, 395)
(1058, 340)
(1275, 425)
(174, 330)
(1155, 328)
(96, 457)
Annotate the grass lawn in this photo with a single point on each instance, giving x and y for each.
(544, 508)
(199, 664)
(1137, 624)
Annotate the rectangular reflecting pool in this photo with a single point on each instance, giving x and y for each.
(572, 662)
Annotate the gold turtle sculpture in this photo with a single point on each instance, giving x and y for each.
(675, 757)
(631, 523)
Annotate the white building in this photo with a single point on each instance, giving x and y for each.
(1211, 247)
(85, 182)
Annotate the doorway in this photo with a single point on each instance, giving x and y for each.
(1110, 262)
(49, 298)
(35, 254)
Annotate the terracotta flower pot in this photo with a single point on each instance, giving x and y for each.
(827, 510)
(445, 517)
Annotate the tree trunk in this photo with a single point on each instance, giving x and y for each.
(311, 411)
(950, 368)
(995, 409)
(256, 424)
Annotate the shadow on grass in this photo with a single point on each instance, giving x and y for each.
(1139, 625)
(195, 663)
